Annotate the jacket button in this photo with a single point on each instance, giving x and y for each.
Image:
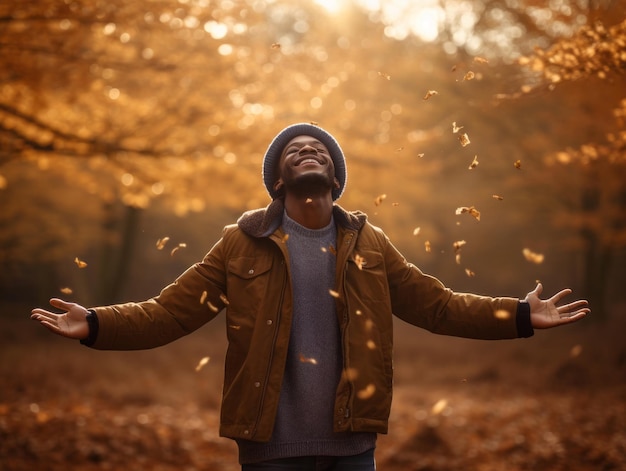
(269, 322)
(257, 385)
(246, 432)
(251, 271)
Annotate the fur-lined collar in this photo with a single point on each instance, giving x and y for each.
(264, 221)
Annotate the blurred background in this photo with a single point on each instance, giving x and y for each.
(487, 138)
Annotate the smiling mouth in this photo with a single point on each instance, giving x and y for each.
(307, 161)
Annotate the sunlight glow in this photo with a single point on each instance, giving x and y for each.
(331, 6)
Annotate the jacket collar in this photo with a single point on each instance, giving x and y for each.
(264, 221)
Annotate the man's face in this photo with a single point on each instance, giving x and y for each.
(306, 166)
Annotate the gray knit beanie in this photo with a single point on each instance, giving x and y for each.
(274, 151)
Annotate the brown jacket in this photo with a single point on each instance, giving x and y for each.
(247, 272)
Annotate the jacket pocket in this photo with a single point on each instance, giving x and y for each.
(247, 283)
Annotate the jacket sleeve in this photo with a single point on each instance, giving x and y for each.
(424, 301)
(193, 299)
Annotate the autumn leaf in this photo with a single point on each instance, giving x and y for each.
(469, 76)
(502, 314)
(474, 163)
(160, 244)
(480, 60)
(285, 238)
(359, 261)
(379, 199)
(464, 139)
(416, 231)
(366, 392)
(427, 246)
(203, 297)
(212, 306)
(202, 362)
(439, 406)
(430, 93)
(497, 197)
(471, 210)
(469, 273)
(304, 359)
(333, 293)
(533, 257)
(518, 164)
(455, 128)
(182, 245)
(66, 290)
(384, 75)
(79, 263)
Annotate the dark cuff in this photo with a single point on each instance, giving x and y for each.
(522, 319)
(92, 322)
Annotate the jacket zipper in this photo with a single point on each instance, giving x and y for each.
(345, 330)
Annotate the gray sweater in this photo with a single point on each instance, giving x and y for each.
(304, 423)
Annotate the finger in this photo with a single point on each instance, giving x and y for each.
(39, 311)
(572, 318)
(560, 295)
(60, 304)
(575, 306)
(50, 316)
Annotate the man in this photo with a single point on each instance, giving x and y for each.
(309, 291)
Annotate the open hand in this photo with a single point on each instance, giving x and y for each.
(72, 323)
(545, 314)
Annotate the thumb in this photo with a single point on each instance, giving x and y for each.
(535, 293)
(60, 304)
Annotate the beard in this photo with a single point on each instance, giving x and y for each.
(308, 184)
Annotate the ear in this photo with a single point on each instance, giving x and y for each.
(337, 184)
(278, 185)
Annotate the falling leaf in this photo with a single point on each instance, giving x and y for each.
(416, 231)
(469, 273)
(384, 75)
(399, 149)
(202, 362)
(308, 200)
(420, 155)
(285, 238)
(395, 204)
(160, 244)
(430, 93)
(333, 293)
(332, 249)
(532, 256)
(497, 197)
(304, 359)
(576, 351)
(234, 327)
(66, 290)
(480, 60)
(427, 246)
(366, 392)
(458, 258)
(212, 306)
(469, 76)
(502, 314)
(458, 244)
(203, 297)
(360, 261)
(358, 312)
(439, 406)
(224, 299)
(314, 123)
(182, 245)
(456, 128)
(276, 46)
(474, 163)
(518, 164)
(371, 344)
(80, 263)
(471, 210)
(464, 139)
(379, 199)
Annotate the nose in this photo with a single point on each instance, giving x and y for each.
(307, 148)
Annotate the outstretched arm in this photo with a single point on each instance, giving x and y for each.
(545, 314)
(71, 324)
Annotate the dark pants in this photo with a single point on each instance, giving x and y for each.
(363, 462)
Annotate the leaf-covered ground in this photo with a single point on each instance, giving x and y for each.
(556, 401)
